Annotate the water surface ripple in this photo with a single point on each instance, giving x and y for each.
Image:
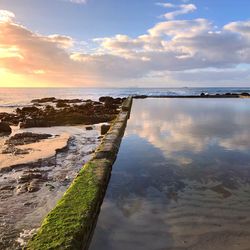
(181, 179)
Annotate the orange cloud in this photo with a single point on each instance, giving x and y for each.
(176, 51)
(37, 58)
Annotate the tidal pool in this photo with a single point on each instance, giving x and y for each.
(181, 179)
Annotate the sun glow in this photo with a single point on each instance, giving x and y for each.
(11, 80)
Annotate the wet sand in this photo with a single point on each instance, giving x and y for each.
(39, 150)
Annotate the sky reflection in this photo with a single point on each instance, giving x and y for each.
(181, 179)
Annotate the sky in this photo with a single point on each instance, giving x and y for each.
(132, 43)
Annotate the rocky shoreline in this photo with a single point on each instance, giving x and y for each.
(47, 112)
(30, 188)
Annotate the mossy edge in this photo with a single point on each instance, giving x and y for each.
(70, 224)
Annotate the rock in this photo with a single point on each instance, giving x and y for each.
(106, 99)
(140, 96)
(27, 204)
(81, 112)
(33, 186)
(20, 189)
(11, 119)
(26, 177)
(61, 104)
(104, 129)
(27, 110)
(26, 138)
(44, 100)
(202, 94)
(50, 186)
(5, 128)
(245, 94)
(8, 188)
(10, 149)
(89, 128)
(220, 189)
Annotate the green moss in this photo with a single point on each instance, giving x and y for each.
(69, 225)
(71, 220)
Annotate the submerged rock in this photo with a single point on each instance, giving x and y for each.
(89, 128)
(104, 129)
(34, 186)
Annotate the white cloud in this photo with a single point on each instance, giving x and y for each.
(166, 5)
(6, 16)
(242, 28)
(181, 9)
(78, 1)
(176, 51)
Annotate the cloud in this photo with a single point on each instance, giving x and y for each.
(196, 127)
(181, 9)
(63, 41)
(184, 9)
(172, 51)
(6, 16)
(166, 5)
(242, 28)
(79, 1)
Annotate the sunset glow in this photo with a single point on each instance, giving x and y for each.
(181, 46)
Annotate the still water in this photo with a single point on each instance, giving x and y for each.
(181, 179)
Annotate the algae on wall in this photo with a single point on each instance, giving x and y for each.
(71, 223)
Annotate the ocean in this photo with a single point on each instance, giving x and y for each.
(11, 98)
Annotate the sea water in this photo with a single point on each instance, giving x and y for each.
(11, 98)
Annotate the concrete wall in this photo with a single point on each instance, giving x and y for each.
(71, 223)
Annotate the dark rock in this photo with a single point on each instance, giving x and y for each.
(106, 99)
(61, 104)
(26, 138)
(27, 204)
(245, 94)
(104, 129)
(26, 177)
(44, 100)
(202, 94)
(67, 101)
(27, 110)
(85, 112)
(89, 128)
(10, 149)
(140, 96)
(11, 119)
(5, 128)
(8, 188)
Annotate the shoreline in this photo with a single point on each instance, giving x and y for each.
(107, 150)
(34, 176)
(71, 223)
